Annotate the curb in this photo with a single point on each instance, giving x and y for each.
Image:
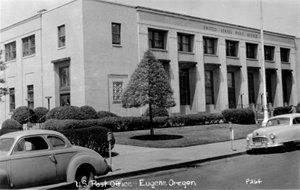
(166, 167)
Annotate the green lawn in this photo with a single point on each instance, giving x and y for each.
(184, 136)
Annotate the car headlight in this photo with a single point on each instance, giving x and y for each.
(272, 136)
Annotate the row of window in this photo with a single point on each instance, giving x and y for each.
(29, 46)
(29, 99)
(64, 90)
(158, 38)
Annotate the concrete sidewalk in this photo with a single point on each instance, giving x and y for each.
(133, 160)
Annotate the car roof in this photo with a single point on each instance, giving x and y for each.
(291, 115)
(19, 134)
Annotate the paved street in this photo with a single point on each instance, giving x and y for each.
(271, 170)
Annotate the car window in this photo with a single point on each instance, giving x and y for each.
(278, 121)
(296, 120)
(5, 144)
(56, 142)
(31, 144)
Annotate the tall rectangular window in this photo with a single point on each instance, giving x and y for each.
(232, 48)
(30, 96)
(64, 81)
(184, 85)
(269, 53)
(209, 87)
(10, 51)
(210, 45)
(185, 42)
(12, 99)
(231, 90)
(156, 39)
(61, 31)
(28, 45)
(116, 33)
(251, 50)
(285, 55)
(251, 88)
(117, 92)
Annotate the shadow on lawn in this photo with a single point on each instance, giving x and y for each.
(157, 137)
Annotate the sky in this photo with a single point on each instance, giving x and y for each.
(282, 16)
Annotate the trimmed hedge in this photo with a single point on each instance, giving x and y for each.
(156, 112)
(22, 114)
(64, 112)
(40, 114)
(81, 132)
(87, 112)
(103, 114)
(10, 125)
(136, 123)
(94, 137)
(281, 110)
(239, 116)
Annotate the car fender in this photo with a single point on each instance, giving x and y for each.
(77, 161)
(4, 179)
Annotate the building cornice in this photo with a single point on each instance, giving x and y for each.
(208, 21)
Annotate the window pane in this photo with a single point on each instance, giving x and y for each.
(156, 39)
(117, 92)
(184, 87)
(209, 88)
(56, 142)
(65, 99)
(64, 77)
(61, 36)
(30, 96)
(116, 33)
(12, 104)
(28, 45)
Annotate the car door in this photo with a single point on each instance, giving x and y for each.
(296, 129)
(31, 163)
(63, 153)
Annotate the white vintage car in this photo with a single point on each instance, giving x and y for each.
(41, 157)
(279, 130)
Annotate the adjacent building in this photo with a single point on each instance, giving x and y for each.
(83, 53)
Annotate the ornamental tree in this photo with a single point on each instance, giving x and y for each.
(148, 85)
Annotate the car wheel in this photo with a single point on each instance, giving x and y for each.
(84, 179)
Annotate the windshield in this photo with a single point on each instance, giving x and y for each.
(5, 144)
(278, 121)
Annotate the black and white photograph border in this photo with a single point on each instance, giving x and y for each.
(164, 94)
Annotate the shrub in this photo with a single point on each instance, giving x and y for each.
(281, 110)
(10, 125)
(103, 114)
(64, 112)
(87, 112)
(40, 114)
(239, 116)
(22, 114)
(85, 133)
(156, 112)
(94, 137)
(53, 113)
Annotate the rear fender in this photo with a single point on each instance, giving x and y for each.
(77, 161)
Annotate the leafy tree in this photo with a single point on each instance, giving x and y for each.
(3, 90)
(148, 85)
